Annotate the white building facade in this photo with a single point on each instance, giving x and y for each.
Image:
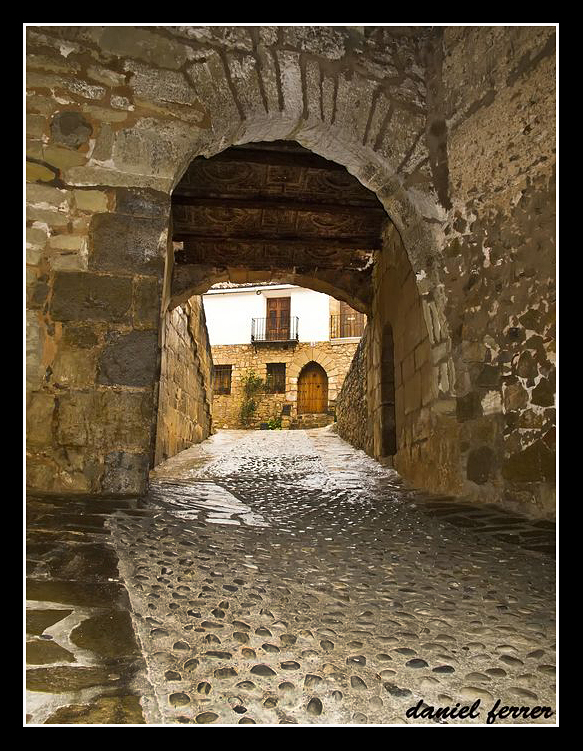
(230, 312)
(297, 342)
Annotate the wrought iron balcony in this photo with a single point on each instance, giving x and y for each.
(347, 325)
(275, 329)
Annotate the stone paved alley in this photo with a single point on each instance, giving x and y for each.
(278, 577)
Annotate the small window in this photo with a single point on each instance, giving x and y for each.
(275, 382)
(222, 379)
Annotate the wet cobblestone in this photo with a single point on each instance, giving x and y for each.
(284, 577)
(84, 665)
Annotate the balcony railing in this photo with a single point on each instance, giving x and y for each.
(275, 329)
(346, 325)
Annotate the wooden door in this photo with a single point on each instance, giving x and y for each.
(278, 318)
(312, 390)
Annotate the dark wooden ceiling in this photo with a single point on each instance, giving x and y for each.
(274, 206)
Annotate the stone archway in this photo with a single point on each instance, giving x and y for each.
(104, 431)
(275, 209)
(185, 285)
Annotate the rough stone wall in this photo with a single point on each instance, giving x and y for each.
(415, 354)
(185, 396)
(499, 258)
(335, 358)
(352, 412)
(419, 360)
(94, 269)
(475, 371)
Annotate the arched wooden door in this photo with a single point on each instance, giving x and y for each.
(312, 389)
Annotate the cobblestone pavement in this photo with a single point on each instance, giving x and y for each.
(83, 662)
(284, 577)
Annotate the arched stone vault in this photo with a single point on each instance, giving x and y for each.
(413, 419)
(197, 281)
(275, 211)
(117, 114)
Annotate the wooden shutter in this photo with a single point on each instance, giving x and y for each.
(351, 321)
(278, 318)
(222, 379)
(276, 377)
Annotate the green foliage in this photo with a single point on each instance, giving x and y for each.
(252, 385)
(274, 423)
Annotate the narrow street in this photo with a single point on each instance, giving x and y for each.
(285, 577)
(290, 346)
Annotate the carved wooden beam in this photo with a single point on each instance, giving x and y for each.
(257, 202)
(193, 241)
(267, 257)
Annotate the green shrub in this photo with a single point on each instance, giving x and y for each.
(274, 423)
(252, 386)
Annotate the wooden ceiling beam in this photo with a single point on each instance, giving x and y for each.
(368, 243)
(276, 204)
(300, 265)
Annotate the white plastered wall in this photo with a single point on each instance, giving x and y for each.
(229, 312)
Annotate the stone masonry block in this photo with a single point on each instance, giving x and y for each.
(70, 128)
(126, 244)
(144, 45)
(413, 393)
(124, 420)
(91, 200)
(129, 359)
(79, 296)
(142, 202)
(147, 302)
(39, 417)
(125, 473)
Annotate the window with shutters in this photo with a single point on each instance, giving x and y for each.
(222, 379)
(348, 323)
(275, 380)
(278, 318)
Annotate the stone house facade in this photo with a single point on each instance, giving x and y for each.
(301, 356)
